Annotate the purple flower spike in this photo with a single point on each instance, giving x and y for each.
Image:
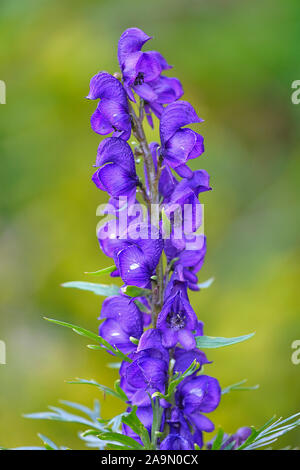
(112, 113)
(177, 319)
(122, 320)
(117, 174)
(180, 144)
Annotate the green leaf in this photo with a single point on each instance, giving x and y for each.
(206, 284)
(237, 387)
(93, 336)
(134, 340)
(49, 445)
(133, 291)
(156, 423)
(141, 306)
(113, 437)
(166, 224)
(219, 342)
(100, 272)
(98, 289)
(270, 432)
(218, 440)
(115, 393)
(137, 426)
(120, 392)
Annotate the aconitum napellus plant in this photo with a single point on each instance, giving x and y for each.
(152, 234)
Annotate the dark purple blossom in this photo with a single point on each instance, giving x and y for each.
(177, 319)
(146, 375)
(138, 68)
(112, 113)
(116, 174)
(137, 261)
(123, 319)
(142, 73)
(195, 396)
(180, 144)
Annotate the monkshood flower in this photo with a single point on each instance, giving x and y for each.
(195, 396)
(177, 319)
(139, 255)
(180, 144)
(142, 73)
(147, 373)
(123, 320)
(139, 68)
(112, 113)
(116, 174)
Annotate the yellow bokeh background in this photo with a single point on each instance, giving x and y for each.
(237, 61)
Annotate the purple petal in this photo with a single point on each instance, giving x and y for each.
(123, 310)
(201, 394)
(100, 124)
(132, 40)
(201, 422)
(176, 442)
(115, 180)
(186, 339)
(132, 267)
(183, 359)
(104, 85)
(115, 150)
(175, 116)
(112, 332)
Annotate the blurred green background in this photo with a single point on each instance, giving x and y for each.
(237, 61)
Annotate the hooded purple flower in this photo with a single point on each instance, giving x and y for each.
(116, 174)
(112, 113)
(137, 261)
(195, 396)
(138, 68)
(142, 73)
(122, 320)
(148, 371)
(177, 319)
(144, 376)
(180, 144)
